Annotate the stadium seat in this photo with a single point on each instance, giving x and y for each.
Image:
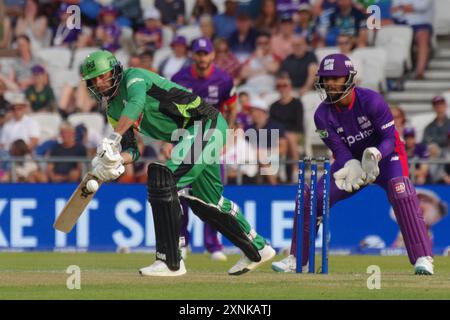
(167, 36)
(446, 95)
(220, 4)
(397, 40)
(160, 55)
(419, 121)
(373, 62)
(93, 121)
(49, 124)
(147, 4)
(310, 101)
(323, 52)
(190, 33)
(80, 55)
(55, 57)
(441, 17)
(188, 8)
(270, 98)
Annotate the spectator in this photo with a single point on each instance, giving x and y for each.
(289, 112)
(172, 12)
(5, 25)
(288, 6)
(438, 172)
(399, 119)
(27, 170)
(243, 119)
(76, 98)
(107, 34)
(131, 13)
(240, 158)
(64, 36)
(178, 60)
(4, 117)
(346, 44)
(146, 58)
(260, 69)
(134, 61)
(206, 80)
(20, 126)
(150, 36)
(242, 41)
(66, 171)
(437, 130)
(267, 21)
(226, 60)
(301, 66)
(34, 24)
(419, 15)
(306, 26)
(207, 29)
(347, 19)
(21, 70)
(203, 7)
(416, 150)
(281, 42)
(268, 153)
(39, 93)
(225, 23)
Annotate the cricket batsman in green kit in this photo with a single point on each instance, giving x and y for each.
(137, 99)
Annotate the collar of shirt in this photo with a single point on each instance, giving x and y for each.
(196, 75)
(352, 103)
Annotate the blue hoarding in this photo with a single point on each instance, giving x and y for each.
(119, 216)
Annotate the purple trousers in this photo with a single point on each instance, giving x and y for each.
(401, 194)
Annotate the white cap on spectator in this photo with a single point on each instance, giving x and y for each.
(258, 103)
(15, 98)
(152, 13)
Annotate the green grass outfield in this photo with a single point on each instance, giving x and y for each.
(114, 276)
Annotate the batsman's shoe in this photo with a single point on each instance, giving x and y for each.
(160, 269)
(218, 256)
(424, 266)
(245, 265)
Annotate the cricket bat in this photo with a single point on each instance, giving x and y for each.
(76, 205)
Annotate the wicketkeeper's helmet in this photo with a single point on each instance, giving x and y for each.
(335, 65)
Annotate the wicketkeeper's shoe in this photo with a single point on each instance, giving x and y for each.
(159, 269)
(288, 264)
(424, 266)
(218, 256)
(245, 265)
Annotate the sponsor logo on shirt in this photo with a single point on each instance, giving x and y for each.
(358, 137)
(395, 158)
(213, 91)
(387, 125)
(323, 134)
(134, 80)
(399, 187)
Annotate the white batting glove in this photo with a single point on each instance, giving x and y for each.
(108, 151)
(108, 173)
(369, 164)
(351, 177)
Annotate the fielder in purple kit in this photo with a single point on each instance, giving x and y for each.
(358, 127)
(216, 87)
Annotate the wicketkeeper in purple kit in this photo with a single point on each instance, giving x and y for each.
(358, 127)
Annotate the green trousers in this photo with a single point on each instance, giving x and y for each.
(195, 161)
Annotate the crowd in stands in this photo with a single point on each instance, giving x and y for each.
(269, 47)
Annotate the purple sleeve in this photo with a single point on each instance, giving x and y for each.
(341, 152)
(383, 122)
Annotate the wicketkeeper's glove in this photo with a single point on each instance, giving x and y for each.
(369, 164)
(351, 177)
